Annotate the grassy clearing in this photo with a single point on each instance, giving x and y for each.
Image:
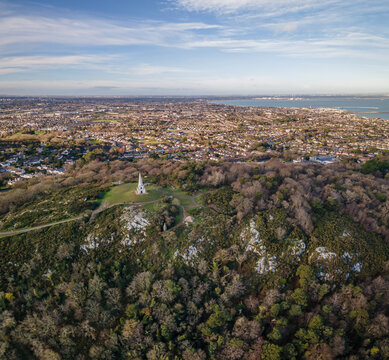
(185, 199)
(104, 120)
(197, 199)
(127, 193)
(96, 142)
(151, 207)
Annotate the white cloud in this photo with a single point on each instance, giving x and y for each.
(15, 64)
(45, 61)
(351, 44)
(5, 71)
(29, 30)
(146, 69)
(311, 35)
(290, 26)
(32, 33)
(229, 6)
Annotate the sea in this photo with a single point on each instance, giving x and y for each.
(373, 107)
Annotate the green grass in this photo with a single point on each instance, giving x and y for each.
(104, 120)
(149, 141)
(185, 199)
(151, 207)
(127, 193)
(198, 199)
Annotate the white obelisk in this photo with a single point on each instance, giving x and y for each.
(141, 188)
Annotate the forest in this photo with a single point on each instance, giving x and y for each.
(282, 261)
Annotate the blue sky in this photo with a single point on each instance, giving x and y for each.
(194, 47)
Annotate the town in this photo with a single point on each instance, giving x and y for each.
(45, 135)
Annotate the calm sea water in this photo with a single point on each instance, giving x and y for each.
(370, 107)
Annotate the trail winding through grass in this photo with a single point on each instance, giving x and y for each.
(103, 207)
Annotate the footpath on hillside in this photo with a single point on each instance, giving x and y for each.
(104, 206)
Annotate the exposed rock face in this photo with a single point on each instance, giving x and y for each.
(133, 223)
(277, 254)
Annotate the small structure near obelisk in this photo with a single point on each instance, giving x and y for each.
(141, 188)
(189, 220)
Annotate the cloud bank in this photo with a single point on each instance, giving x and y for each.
(229, 6)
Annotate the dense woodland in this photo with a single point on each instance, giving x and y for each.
(284, 261)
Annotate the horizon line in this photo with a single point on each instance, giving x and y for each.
(195, 95)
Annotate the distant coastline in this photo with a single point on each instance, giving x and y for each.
(367, 106)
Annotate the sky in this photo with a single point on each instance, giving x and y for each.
(194, 47)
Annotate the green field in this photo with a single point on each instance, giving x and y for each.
(185, 199)
(104, 120)
(127, 193)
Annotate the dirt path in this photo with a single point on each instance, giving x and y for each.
(100, 209)
(93, 215)
(21, 231)
(184, 211)
(193, 199)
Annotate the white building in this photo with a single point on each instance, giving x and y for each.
(141, 188)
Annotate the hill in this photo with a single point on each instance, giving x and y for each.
(280, 261)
